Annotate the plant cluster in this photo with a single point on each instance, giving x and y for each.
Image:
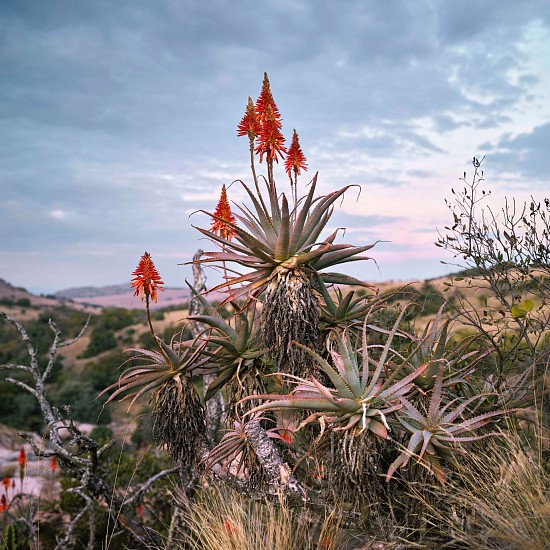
(316, 391)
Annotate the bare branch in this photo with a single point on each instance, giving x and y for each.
(145, 486)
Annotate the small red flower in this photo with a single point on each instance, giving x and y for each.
(139, 510)
(327, 542)
(53, 464)
(286, 436)
(229, 527)
(3, 504)
(295, 158)
(6, 482)
(22, 464)
(249, 125)
(223, 211)
(146, 279)
(22, 457)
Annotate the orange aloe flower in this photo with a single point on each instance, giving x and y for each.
(270, 140)
(22, 464)
(265, 101)
(3, 504)
(146, 279)
(53, 465)
(295, 158)
(249, 125)
(22, 458)
(6, 482)
(223, 211)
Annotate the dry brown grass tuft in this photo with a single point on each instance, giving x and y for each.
(499, 499)
(220, 519)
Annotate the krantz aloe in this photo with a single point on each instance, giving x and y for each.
(327, 377)
(280, 244)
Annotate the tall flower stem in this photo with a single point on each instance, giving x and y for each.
(253, 168)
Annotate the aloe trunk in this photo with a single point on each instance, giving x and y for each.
(291, 314)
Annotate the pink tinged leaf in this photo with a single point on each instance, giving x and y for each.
(378, 428)
(403, 386)
(427, 436)
(324, 391)
(476, 422)
(435, 401)
(461, 439)
(412, 411)
(353, 421)
(384, 355)
(452, 415)
(339, 383)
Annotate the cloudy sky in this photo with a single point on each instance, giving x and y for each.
(118, 119)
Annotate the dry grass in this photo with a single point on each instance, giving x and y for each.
(499, 499)
(220, 519)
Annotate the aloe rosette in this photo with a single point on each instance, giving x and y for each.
(441, 432)
(277, 240)
(360, 399)
(167, 374)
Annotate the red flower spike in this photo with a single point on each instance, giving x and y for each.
(270, 141)
(3, 504)
(295, 158)
(53, 464)
(6, 482)
(22, 458)
(223, 211)
(249, 125)
(146, 279)
(264, 102)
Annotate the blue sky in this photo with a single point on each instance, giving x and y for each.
(118, 119)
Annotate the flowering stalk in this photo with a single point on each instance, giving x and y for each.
(250, 126)
(146, 282)
(270, 139)
(221, 222)
(295, 162)
(22, 459)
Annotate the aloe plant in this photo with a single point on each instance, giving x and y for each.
(442, 431)
(233, 451)
(150, 370)
(231, 348)
(282, 251)
(434, 348)
(360, 399)
(347, 310)
(167, 374)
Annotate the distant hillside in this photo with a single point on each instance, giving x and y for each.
(11, 295)
(121, 296)
(92, 291)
